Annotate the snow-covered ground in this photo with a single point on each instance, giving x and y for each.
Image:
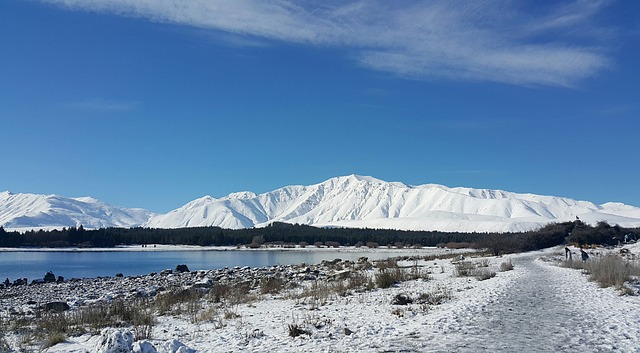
(536, 307)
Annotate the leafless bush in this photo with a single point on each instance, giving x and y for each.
(471, 269)
(576, 265)
(56, 326)
(434, 298)
(295, 330)
(609, 271)
(241, 293)
(332, 244)
(318, 294)
(52, 339)
(483, 273)
(387, 264)
(464, 269)
(399, 312)
(387, 277)
(51, 323)
(230, 314)
(358, 280)
(176, 301)
(4, 345)
(506, 266)
(416, 272)
(459, 245)
(271, 285)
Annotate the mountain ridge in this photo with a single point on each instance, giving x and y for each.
(345, 201)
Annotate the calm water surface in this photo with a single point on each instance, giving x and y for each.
(79, 264)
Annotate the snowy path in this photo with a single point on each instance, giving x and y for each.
(537, 307)
(544, 309)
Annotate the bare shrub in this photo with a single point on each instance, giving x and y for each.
(387, 277)
(176, 301)
(295, 330)
(387, 264)
(52, 339)
(398, 312)
(576, 265)
(434, 298)
(210, 314)
(358, 280)
(54, 323)
(483, 273)
(609, 271)
(94, 317)
(230, 314)
(319, 294)
(271, 285)
(233, 294)
(506, 266)
(464, 269)
(332, 244)
(219, 292)
(471, 269)
(56, 326)
(457, 245)
(4, 345)
(415, 272)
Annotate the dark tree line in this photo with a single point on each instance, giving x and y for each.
(283, 233)
(274, 233)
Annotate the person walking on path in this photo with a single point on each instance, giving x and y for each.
(584, 254)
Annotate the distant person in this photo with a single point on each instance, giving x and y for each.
(584, 254)
(567, 253)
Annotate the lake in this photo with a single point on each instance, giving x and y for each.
(87, 264)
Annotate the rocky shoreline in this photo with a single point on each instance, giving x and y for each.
(20, 298)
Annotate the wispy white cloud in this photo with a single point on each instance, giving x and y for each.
(497, 41)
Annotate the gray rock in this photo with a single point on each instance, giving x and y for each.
(56, 307)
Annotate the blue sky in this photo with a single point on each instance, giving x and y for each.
(151, 104)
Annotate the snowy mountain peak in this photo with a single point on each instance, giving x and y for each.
(32, 211)
(361, 201)
(358, 178)
(87, 199)
(347, 201)
(241, 195)
(362, 180)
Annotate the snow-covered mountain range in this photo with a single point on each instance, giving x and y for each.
(32, 211)
(349, 201)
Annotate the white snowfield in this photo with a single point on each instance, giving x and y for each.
(537, 307)
(31, 211)
(349, 201)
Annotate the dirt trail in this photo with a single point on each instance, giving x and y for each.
(545, 309)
